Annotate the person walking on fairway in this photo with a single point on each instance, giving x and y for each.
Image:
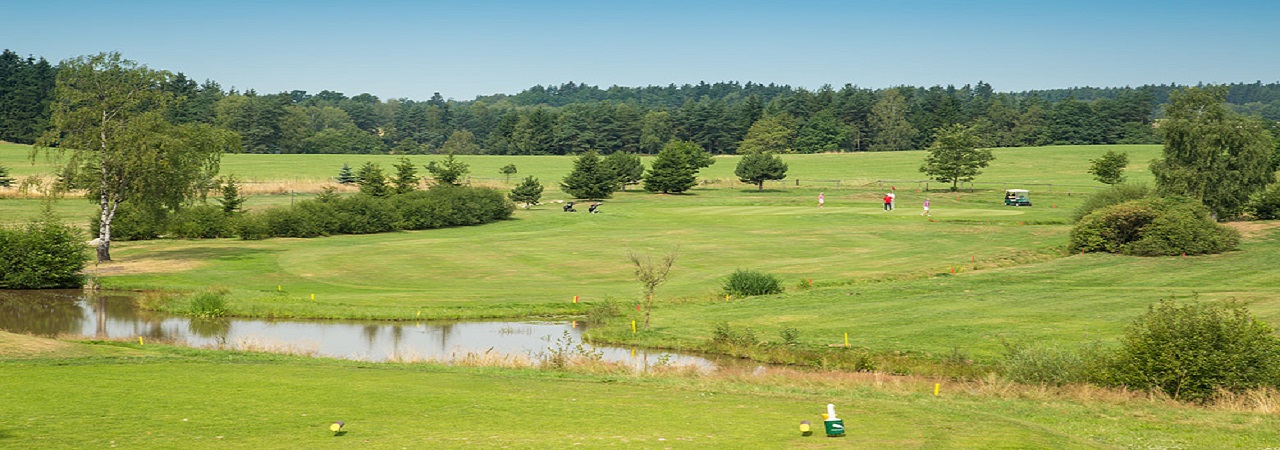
(821, 199)
(888, 202)
(926, 208)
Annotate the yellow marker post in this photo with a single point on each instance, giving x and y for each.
(633, 327)
(936, 388)
(279, 288)
(419, 314)
(633, 353)
(846, 339)
(575, 299)
(313, 297)
(140, 341)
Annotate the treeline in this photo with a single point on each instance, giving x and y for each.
(572, 118)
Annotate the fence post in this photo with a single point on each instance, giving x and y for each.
(797, 181)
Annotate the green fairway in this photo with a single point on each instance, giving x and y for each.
(162, 397)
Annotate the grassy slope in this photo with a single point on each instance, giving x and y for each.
(199, 399)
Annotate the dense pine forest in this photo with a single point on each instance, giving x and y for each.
(723, 117)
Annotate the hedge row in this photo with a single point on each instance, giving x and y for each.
(438, 207)
(41, 255)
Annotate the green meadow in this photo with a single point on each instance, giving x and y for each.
(102, 394)
(957, 285)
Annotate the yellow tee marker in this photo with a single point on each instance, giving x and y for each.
(936, 388)
(140, 341)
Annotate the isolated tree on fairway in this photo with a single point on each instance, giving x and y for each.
(527, 192)
(589, 178)
(675, 169)
(450, 171)
(507, 171)
(110, 114)
(346, 176)
(231, 200)
(1109, 169)
(1210, 153)
(372, 181)
(955, 156)
(406, 179)
(651, 274)
(626, 168)
(756, 168)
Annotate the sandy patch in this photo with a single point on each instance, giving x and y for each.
(1254, 229)
(146, 265)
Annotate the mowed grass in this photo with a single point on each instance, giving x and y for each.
(171, 397)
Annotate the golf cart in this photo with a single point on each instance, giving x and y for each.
(1016, 197)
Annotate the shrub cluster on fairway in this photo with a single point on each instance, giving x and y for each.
(745, 283)
(1266, 204)
(1153, 227)
(1112, 195)
(41, 255)
(441, 206)
(1192, 350)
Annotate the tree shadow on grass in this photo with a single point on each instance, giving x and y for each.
(205, 254)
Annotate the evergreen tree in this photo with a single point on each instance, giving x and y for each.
(450, 171)
(231, 200)
(406, 176)
(671, 171)
(346, 176)
(589, 178)
(527, 192)
(756, 168)
(626, 168)
(372, 181)
(5, 179)
(1211, 154)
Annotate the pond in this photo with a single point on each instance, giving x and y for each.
(70, 313)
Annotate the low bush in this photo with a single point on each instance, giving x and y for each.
(1112, 195)
(745, 283)
(44, 254)
(1153, 227)
(1050, 365)
(1191, 351)
(208, 304)
(132, 223)
(1266, 205)
(200, 222)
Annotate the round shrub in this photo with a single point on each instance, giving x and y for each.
(42, 255)
(1266, 205)
(745, 283)
(1153, 227)
(1112, 195)
(1192, 350)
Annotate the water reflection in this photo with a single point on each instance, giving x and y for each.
(106, 316)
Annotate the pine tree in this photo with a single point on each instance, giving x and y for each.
(527, 192)
(372, 181)
(671, 171)
(756, 168)
(626, 168)
(345, 176)
(406, 176)
(5, 179)
(589, 178)
(231, 200)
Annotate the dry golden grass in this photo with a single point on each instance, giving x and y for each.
(1254, 230)
(293, 186)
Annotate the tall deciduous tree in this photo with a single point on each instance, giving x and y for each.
(1109, 168)
(889, 123)
(756, 168)
(109, 112)
(772, 134)
(1210, 153)
(589, 178)
(955, 156)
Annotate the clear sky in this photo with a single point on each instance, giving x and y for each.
(410, 49)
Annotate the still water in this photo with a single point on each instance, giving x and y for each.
(105, 316)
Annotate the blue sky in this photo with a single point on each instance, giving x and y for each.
(410, 49)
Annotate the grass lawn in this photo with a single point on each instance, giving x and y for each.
(125, 395)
